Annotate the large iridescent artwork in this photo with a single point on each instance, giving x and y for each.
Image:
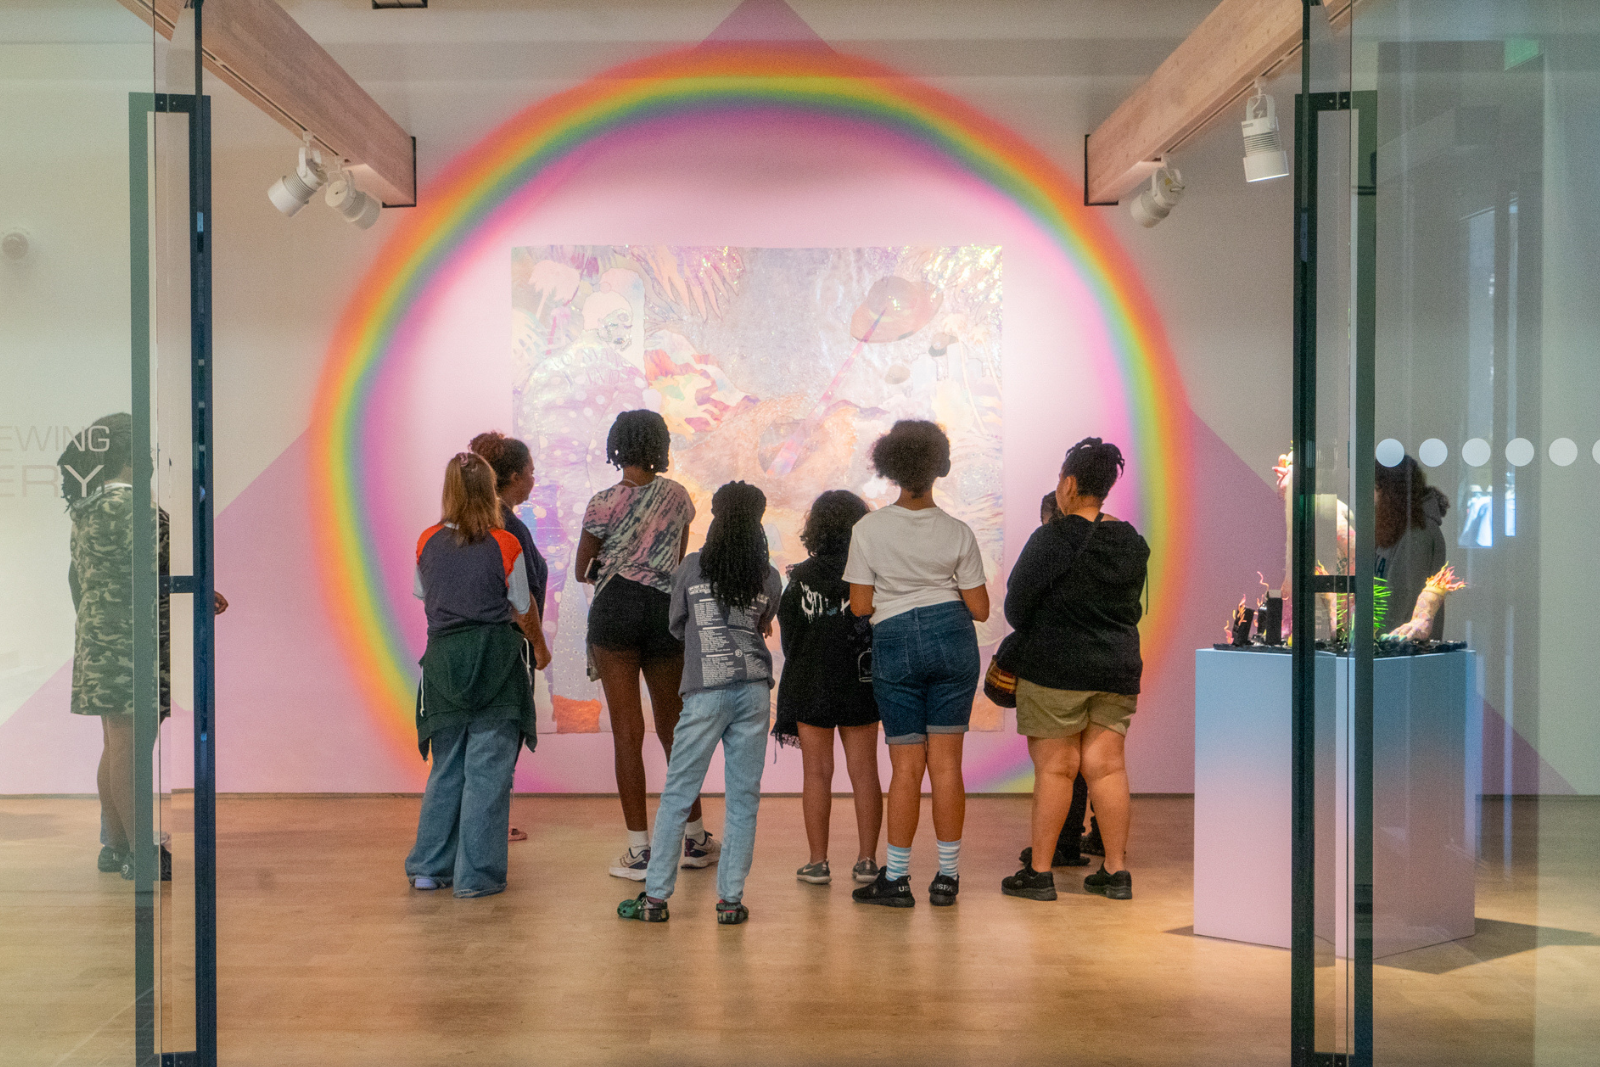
(777, 366)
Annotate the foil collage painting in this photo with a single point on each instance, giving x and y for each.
(776, 366)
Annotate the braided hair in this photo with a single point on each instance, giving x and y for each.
(734, 558)
(1096, 464)
(639, 439)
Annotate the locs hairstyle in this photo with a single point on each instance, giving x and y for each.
(639, 439)
(469, 499)
(508, 456)
(101, 452)
(913, 455)
(1096, 464)
(829, 522)
(734, 558)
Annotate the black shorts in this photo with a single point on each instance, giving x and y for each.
(629, 617)
(832, 715)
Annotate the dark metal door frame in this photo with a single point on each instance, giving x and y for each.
(1309, 107)
(200, 584)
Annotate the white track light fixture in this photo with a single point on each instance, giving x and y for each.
(1157, 202)
(1264, 157)
(294, 191)
(357, 207)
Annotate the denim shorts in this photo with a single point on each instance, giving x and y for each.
(925, 672)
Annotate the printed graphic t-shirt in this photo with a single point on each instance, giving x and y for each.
(912, 559)
(720, 647)
(640, 530)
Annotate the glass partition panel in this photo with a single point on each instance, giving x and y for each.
(82, 688)
(1487, 408)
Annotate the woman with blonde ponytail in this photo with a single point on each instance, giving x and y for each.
(475, 701)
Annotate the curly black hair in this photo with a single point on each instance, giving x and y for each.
(1049, 509)
(830, 520)
(913, 455)
(1096, 464)
(734, 558)
(639, 439)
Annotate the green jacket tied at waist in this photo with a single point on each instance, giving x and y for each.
(476, 672)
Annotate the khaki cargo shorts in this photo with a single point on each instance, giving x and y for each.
(1043, 712)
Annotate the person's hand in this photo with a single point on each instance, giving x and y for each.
(541, 656)
(221, 604)
(766, 627)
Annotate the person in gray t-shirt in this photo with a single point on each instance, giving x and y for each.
(724, 598)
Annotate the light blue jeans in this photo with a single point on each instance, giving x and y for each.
(466, 810)
(738, 716)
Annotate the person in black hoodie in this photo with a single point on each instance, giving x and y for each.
(827, 683)
(1074, 596)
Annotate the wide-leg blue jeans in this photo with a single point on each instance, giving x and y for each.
(466, 810)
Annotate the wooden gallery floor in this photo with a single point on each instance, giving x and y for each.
(328, 958)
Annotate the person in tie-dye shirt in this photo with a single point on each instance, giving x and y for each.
(634, 537)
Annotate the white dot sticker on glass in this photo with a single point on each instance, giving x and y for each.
(1391, 452)
(1563, 451)
(1597, 452)
(1433, 452)
(1520, 452)
(1475, 453)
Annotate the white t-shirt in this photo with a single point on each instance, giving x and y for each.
(912, 559)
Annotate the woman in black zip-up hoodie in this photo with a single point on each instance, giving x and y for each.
(1074, 597)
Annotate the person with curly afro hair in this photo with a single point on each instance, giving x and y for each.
(916, 572)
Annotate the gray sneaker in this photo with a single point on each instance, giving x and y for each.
(815, 873)
(865, 871)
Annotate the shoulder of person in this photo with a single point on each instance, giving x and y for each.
(427, 535)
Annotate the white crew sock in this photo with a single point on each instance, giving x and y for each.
(638, 839)
(695, 829)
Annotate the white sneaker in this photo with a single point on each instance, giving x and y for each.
(632, 864)
(702, 851)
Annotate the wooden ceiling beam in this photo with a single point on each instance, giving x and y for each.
(258, 49)
(1205, 78)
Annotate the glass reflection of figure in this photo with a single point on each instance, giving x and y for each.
(97, 483)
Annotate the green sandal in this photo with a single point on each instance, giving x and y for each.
(644, 909)
(731, 914)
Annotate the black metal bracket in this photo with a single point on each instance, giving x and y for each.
(1086, 201)
(178, 584)
(1333, 583)
(180, 1059)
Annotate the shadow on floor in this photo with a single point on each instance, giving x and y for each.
(1494, 940)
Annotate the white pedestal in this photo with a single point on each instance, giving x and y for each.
(1427, 768)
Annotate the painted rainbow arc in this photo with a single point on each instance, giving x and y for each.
(512, 164)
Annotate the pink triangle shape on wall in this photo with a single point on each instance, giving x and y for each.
(765, 22)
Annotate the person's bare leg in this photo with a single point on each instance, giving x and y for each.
(619, 677)
(861, 760)
(1055, 765)
(116, 832)
(949, 789)
(816, 796)
(663, 676)
(905, 792)
(1107, 775)
(118, 759)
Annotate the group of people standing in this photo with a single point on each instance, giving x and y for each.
(877, 630)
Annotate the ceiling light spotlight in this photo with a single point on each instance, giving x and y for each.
(357, 207)
(1157, 202)
(294, 191)
(1264, 156)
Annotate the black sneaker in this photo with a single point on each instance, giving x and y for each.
(1035, 885)
(1092, 845)
(943, 889)
(1118, 886)
(890, 892)
(1060, 859)
(109, 862)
